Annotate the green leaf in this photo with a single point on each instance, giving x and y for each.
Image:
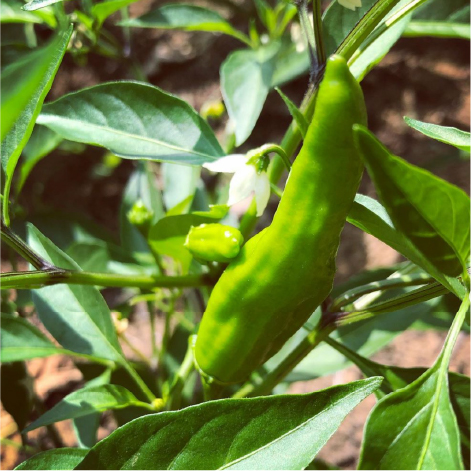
(295, 113)
(86, 427)
(168, 235)
(365, 337)
(186, 17)
(430, 212)
(416, 29)
(11, 12)
(41, 143)
(135, 121)
(371, 217)
(452, 136)
(460, 400)
(62, 458)
(22, 341)
(338, 21)
(278, 432)
(180, 182)
(441, 19)
(37, 4)
(396, 378)
(102, 10)
(86, 401)
(25, 84)
(291, 61)
(90, 256)
(76, 316)
(418, 418)
(371, 53)
(246, 78)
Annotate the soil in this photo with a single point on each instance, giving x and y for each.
(426, 79)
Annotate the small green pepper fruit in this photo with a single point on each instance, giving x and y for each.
(212, 109)
(141, 216)
(214, 242)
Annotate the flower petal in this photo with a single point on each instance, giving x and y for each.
(262, 192)
(242, 184)
(228, 164)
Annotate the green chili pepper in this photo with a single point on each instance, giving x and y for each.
(283, 273)
(214, 242)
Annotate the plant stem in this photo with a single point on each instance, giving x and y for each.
(138, 380)
(433, 290)
(187, 366)
(155, 350)
(381, 29)
(38, 279)
(314, 338)
(212, 390)
(365, 27)
(134, 349)
(398, 282)
(166, 336)
(22, 249)
(318, 37)
(307, 28)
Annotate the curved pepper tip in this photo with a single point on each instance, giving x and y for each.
(337, 67)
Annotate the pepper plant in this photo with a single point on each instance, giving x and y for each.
(236, 312)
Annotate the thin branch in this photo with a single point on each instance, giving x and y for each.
(38, 279)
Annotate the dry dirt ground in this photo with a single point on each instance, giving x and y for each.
(427, 79)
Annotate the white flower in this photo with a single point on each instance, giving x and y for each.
(246, 179)
(350, 4)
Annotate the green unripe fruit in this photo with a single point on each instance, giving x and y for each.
(141, 216)
(214, 242)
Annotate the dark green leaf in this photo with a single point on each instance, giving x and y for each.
(396, 378)
(62, 458)
(338, 21)
(418, 418)
(371, 217)
(25, 84)
(86, 427)
(41, 143)
(451, 136)
(279, 432)
(86, 401)
(102, 10)
(186, 17)
(246, 78)
(77, 316)
(430, 212)
(135, 121)
(90, 256)
(22, 341)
